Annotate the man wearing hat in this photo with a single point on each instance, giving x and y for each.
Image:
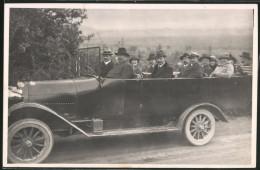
(185, 60)
(246, 64)
(122, 70)
(204, 61)
(224, 69)
(152, 62)
(194, 69)
(107, 64)
(213, 62)
(162, 69)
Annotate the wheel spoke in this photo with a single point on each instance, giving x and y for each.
(202, 135)
(39, 138)
(31, 152)
(192, 130)
(194, 122)
(36, 134)
(17, 140)
(36, 149)
(19, 150)
(198, 135)
(206, 122)
(204, 118)
(205, 131)
(25, 153)
(194, 134)
(196, 119)
(25, 133)
(18, 135)
(38, 144)
(200, 117)
(17, 146)
(31, 132)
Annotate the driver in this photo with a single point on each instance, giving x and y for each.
(122, 70)
(107, 64)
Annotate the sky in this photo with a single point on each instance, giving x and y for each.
(141, 19)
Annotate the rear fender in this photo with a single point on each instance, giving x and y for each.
(22, 105)
(216, 111)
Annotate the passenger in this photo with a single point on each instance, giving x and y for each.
(224, 69)
(204, 60)
(122, 70)
(246, 64)
(107, 64)
(152, 62)
(134, 61)
(213, 62)
(162, 69)
(194, 69)
(185, 60)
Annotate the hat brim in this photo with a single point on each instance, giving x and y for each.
(201, 58)
(151, 59)
(193, 56)
(246, 57)
(181, 57)
(125, 54)
(223, 58)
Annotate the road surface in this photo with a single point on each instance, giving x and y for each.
(231, 145)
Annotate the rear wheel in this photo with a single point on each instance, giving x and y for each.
(29, 141)
(199, 127)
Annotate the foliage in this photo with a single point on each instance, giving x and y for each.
(43, 43)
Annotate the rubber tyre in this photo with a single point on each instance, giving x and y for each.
(189, 131)
(37, 125)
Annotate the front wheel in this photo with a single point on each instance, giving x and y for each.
(29, 141)
(199, 127)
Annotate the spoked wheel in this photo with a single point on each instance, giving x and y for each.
(199, 127)
(29, 141)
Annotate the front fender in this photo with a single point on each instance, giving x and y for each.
(42, 107)
(216, 111)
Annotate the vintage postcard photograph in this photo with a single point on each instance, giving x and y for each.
(130, 85)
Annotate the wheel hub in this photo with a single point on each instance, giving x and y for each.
(28, 143)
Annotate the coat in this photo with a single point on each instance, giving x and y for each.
(164, 72)
(207, 70)
(105, 68)
(122, 70)
(193, 71)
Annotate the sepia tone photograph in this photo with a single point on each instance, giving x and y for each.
(130, 85)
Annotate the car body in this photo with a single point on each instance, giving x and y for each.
(103, 107)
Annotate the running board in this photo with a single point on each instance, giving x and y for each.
(136, 131)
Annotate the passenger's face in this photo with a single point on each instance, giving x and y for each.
(107, 57)
(121, 58)
(186, 60)
(152, 62)
(193, 60)
(115, 59)
(223, 61)
(160, 60)
(245, 61)
(231, 62)
(212, 62)
(134, 63)
(205, 61)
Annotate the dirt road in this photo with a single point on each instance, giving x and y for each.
(231, 145)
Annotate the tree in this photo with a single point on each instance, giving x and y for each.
(43, 43)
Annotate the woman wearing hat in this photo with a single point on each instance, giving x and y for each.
(224, 69)
(137, 73)
(213, 62)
